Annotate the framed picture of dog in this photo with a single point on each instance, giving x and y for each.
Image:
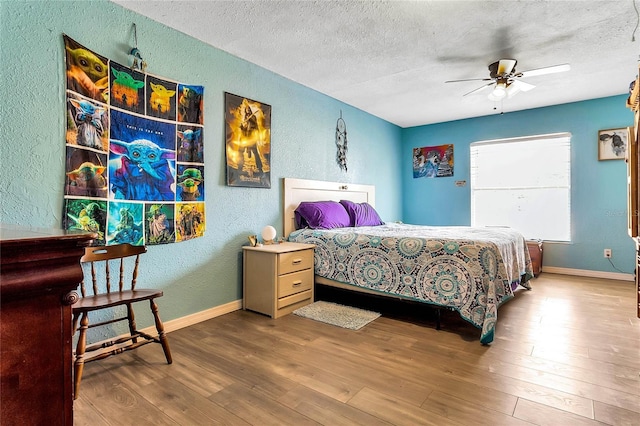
(613, 144)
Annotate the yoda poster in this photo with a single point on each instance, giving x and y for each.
(134, 159)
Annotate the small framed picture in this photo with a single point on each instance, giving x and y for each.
(612, 144)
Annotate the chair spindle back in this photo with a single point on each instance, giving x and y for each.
(106, 254)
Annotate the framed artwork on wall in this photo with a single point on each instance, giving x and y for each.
(433, 161)
(613, 144)
(248, 142)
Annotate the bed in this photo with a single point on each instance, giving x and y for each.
(469, 270)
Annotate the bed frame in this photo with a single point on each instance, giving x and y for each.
(299, 190)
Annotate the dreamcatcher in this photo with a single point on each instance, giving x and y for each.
(341, 143)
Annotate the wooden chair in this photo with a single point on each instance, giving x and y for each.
(122, 296)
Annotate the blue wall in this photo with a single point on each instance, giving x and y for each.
(598, 193)
(205, 272)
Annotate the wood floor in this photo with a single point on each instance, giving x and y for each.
(565, 353)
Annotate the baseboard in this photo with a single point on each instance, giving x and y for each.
(193, 319)
(587, 273)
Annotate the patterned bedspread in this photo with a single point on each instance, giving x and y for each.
(466, 269)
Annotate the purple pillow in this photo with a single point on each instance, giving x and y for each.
(361, 214)
(321, 215)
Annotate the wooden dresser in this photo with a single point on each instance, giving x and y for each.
(278, 278)
(40, 269)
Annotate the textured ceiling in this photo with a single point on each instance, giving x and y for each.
(391, 58)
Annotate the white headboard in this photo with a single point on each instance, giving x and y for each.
(299, 190)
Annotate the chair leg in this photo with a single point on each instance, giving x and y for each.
(161, 334)
(132, 322)
(78, 365)
(74, 327)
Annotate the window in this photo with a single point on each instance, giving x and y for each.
(523, 183)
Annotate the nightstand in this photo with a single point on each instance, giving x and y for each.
(277, 279)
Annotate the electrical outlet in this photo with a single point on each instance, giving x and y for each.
(607, 253)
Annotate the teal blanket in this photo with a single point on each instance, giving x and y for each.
(469, 270)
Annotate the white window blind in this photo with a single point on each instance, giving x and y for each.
(523, 183)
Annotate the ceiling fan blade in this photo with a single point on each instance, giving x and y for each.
(517, 86)
(505, 66)
(545, 70)
(469, 79)
(522, 86)
(479, 89)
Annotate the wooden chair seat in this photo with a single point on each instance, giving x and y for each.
(108, 300)
(103, 297)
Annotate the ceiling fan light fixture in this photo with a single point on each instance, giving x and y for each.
(499, 92)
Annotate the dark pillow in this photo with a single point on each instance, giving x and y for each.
(362, 214)
(321, 215)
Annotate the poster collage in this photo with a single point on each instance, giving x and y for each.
(134, 153)
(433, 161)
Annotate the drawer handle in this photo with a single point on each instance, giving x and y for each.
(296, 283)
(296, 261)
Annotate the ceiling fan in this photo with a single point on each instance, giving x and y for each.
(506, 80)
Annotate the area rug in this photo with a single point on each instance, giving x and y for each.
(338, 315)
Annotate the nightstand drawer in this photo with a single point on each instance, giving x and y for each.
(295, 261)
(294, 298)
(295, 283)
